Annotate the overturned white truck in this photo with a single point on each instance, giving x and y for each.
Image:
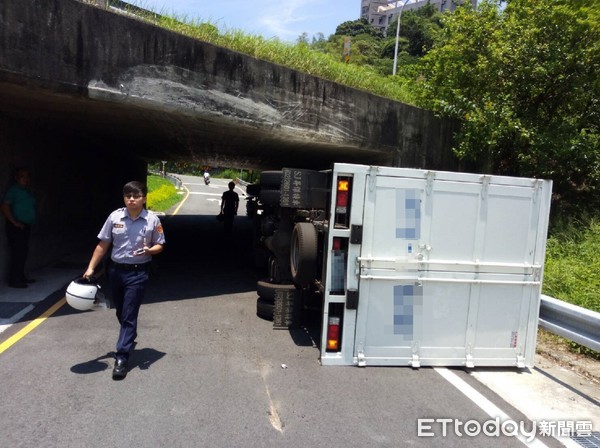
(409, 267)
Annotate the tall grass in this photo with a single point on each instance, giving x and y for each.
(572, 269)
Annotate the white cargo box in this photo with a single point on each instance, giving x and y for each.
(448, 270)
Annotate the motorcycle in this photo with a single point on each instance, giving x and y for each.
(206, 180)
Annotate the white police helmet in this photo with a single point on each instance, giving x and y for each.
(81, 293)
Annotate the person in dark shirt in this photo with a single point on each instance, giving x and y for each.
(229, 207)
(18, 207)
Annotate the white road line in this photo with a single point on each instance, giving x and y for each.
(6, 323)
(205, 194)
(488, 407)
(202, 183)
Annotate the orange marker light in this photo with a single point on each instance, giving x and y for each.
(333, 334)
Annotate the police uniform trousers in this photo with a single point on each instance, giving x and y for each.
(128, 283)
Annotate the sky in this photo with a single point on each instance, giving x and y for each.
(285, 19)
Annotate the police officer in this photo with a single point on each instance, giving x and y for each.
(136, 235)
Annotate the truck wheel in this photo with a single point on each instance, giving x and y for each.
(267, 290)
(269, 196)
(270, 179)
(264, 309)
(303, 254)
(252, 189)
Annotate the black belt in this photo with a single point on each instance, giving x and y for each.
(132, 267)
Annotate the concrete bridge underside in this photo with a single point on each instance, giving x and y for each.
(88, 96)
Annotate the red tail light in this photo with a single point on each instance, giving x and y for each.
(333, 334)
(342, 193)
(342, 202)
(337, 244)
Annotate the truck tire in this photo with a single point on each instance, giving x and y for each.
(269, 196)
(252, 189)
(264, 309)
(303, 254)
(266, 290)
(270, 179)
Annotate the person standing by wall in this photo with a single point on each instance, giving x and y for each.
(229, 207)
(135, 235)
(18, 207)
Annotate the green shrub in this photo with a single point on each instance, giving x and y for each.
(228, 173)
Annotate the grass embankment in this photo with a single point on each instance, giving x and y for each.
(162, 194)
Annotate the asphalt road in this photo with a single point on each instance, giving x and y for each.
(207, 371)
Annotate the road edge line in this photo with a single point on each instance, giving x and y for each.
(486, 405)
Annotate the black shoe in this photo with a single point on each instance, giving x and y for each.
(18, 285)
(120, 369)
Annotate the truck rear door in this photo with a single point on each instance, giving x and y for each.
(449, 268)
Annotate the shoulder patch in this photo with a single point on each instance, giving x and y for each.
(159, 228)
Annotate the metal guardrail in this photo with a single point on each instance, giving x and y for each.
(174, 180)
(170, 177)
(571, 322)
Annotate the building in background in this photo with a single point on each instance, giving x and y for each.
(381, 13)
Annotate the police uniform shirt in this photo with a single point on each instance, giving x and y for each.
(128, 235)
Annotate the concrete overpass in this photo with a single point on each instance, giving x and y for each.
(88, 96)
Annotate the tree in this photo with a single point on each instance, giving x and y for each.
(524, 81)
(366, 43)
(418, 27)
(303, 39)
(356, 27)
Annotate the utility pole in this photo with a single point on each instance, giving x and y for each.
(398, 35)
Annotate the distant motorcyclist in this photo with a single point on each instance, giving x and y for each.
(206, 177)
